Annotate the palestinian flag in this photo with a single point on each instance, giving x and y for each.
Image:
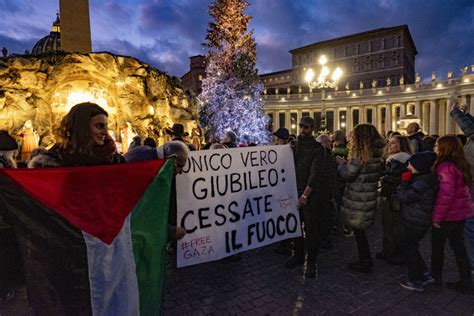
(93, 239)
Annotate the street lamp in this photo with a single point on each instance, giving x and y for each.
(323, 82)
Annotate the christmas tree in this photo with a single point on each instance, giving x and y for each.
(231, 93)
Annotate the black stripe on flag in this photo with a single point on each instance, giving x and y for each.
(54, 254)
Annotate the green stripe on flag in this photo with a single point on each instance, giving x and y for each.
(149, 237)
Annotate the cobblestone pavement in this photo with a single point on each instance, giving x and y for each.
(260, 285)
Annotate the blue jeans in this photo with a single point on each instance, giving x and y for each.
(469, 232)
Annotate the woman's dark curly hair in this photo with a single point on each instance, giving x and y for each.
(363, 139)
(75, 130)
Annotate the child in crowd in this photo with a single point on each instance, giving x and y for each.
(417, 195)
(453, 206)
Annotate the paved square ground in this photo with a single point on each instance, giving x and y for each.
(260, 285)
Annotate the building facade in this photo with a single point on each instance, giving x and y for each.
(388, 108)
(192, 80)
(380, 57)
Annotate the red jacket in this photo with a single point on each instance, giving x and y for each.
(454, 200)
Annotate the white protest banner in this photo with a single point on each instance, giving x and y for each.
(233, 200)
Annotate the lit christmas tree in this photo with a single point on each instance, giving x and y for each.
(231, 93)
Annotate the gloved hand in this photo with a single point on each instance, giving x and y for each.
(406, 176)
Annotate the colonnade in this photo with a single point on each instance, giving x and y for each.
(428, 104)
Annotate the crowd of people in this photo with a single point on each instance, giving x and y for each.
(417, 182)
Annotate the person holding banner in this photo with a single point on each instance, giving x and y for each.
(173, 148)
(313, 168)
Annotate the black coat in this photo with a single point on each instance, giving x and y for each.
(417, 199)
(416, 142)
(314, 167)
(392, 177)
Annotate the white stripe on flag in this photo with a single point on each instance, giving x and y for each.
(112, 274)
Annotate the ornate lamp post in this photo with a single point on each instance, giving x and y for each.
(323, 82)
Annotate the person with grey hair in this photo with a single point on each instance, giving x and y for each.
(415, 136)
(167, 150)
(230, 139)
(324, 140)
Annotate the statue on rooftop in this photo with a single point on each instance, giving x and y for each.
(417, 78)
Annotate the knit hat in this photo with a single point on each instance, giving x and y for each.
(282, 133)
(7, 142)
(423, 161)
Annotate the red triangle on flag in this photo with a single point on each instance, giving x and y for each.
(96, 200)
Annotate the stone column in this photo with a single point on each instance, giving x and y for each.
(362, 114)
(418, 112)
(378, 118)
(298, 116)
(276, 121)
(450, 124)
(337, 124)
(388, 118)
(288, 119)
(425, 122)
(349, 119)
(403, 109)
(433, 117)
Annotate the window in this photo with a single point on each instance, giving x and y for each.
(375, 45)
(395, 41)
(330, 121)
(281, 119)
(317, 121)
(355, 117)
(370, 116)
(394, 62)
(342, 120)
(305, 114)
(367, 63)
(294, 123)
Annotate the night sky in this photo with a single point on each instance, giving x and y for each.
(165, 33)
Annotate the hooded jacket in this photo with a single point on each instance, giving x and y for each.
(454, 200)
(360, 195)
(417, 199)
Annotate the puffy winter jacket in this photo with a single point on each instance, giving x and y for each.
(417, 199)
(360, 195)
(454, 200)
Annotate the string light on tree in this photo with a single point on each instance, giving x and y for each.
(231, 92)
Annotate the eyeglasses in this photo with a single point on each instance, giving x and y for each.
(304, 126)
